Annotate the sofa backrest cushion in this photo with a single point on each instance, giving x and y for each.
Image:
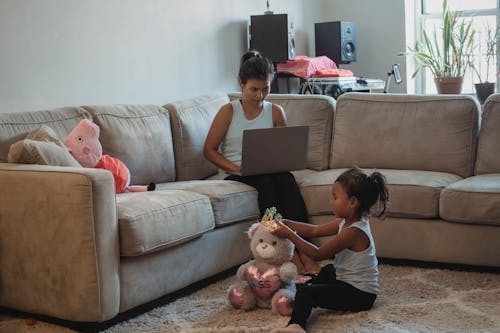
(488, 146)
(412, 132)
(139, 136)
(191, 119)
(315, 111)
(15, 126)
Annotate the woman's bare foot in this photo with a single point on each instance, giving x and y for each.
(301, 270)
(311, 266)
(293, 328)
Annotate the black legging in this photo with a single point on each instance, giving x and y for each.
(279, 190)
(325, 291)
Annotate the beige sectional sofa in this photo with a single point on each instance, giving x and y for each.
(72, 249)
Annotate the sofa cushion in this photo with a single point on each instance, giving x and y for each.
(41, 146)
(151, 221)
(231, 201)
(473, 200)
(139, 136)
(15, 126)
(41, 152)
(412, 193)
(191, 119)
(488, 152)
(45, 133)
(316, 189)
(315, 111)
(407, 132)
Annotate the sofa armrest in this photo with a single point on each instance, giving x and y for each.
(59, 251)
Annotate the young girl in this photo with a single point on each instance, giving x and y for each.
(252, 111)
(351, 283)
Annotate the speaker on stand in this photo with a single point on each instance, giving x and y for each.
(273, 36)
(336, 40)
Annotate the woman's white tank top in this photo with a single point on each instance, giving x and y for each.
(232, 143)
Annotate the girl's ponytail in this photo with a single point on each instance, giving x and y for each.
(383, 193)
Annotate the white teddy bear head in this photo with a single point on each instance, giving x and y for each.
(269, 248)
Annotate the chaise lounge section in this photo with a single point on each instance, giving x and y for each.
(444, 203)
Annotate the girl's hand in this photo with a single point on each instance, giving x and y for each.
(282, 230)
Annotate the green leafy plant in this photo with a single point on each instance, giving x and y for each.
(445, 54)
(489, 54)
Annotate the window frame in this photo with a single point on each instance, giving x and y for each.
(421, 16)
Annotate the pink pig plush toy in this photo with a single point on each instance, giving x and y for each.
(83, 143)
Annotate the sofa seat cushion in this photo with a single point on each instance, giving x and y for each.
(412, 193)
(151, 221)
(316, 189)
(473, 200)
(231, 201)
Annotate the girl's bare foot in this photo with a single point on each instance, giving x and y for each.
(293, 328)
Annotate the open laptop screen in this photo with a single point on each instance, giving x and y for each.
(272, 150)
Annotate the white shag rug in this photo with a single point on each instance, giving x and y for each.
(412, 299)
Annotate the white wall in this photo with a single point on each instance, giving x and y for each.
(75, 52)
(59, 52)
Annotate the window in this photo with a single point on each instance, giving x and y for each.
(485, 17)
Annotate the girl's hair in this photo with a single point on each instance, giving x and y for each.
(368, 189)
(254, 66)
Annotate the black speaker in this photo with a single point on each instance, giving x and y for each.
(272, 36)
(336, 40)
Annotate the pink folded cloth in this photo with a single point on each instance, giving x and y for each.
(333, 72)
(305, 66)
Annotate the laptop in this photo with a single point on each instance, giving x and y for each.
(272, 150)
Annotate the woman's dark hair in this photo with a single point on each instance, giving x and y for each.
(368, 189)
(254, 66)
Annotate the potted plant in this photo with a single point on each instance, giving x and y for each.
(486, 88)
(445, 54)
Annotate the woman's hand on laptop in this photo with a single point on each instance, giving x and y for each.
(234, 168)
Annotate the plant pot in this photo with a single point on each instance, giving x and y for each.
(449, 85)
(483, 90)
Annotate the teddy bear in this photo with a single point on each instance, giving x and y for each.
(267, 281)
(83, 143)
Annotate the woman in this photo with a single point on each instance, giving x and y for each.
(251, 112)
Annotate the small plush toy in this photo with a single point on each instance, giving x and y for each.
(83, 143)
(267, 281)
